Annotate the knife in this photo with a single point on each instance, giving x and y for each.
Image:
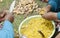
(12, 6)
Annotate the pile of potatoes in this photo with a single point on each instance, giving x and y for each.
(41, 11)
(25, 6)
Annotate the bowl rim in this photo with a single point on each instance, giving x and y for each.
(30, 18)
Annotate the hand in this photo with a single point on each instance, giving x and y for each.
(44, 0)
(50, 16)
(45, 9)
(9, 17)
(2, 15)
(6, 16)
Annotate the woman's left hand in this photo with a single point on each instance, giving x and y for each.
(2, 15)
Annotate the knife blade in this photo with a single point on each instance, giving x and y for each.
(12, 6)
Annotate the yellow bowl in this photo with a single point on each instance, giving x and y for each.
(34, 17)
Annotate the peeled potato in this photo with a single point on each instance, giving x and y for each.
(42, 11)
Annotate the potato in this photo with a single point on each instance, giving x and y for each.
(42, 11)
(25, 6)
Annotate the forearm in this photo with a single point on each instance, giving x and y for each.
(8, 27)
(54, 16)
(58, 17)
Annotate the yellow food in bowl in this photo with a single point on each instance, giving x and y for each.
(31, 27)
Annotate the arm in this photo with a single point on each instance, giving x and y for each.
(8, 21)
(8, 26)
(52, 16)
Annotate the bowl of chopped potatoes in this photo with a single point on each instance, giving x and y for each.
(36, 27)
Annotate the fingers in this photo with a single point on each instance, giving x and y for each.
(2, 19)
(47, 16)
(50, 16)
(58, 21)
(2, 14)
(44, 0)
(9, 17)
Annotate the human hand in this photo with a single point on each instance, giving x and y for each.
(44, 0)
(50, 16)
(6, 16)
(9, 17)
(2, 15)
(58, 21)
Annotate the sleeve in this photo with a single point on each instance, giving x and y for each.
(3, 34)
(8, 26)
(58, 15)
(53, 5)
